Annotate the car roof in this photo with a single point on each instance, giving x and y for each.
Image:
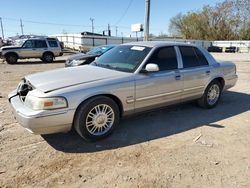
(108, 45)
(152, 44)
(41, 38)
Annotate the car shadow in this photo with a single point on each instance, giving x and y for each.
(154, 125)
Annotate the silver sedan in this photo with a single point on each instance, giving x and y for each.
(128, 79)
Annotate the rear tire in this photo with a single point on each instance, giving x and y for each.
(211, 96)
(11, 58)
(48, 57)
(96, 118)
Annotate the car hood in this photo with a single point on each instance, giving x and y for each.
(66, 77)
(10, 47)
(80, 56)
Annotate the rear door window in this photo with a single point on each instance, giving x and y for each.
(165, 58)
(53, 43)
(40, 44)
(192, 57)
(201, 57)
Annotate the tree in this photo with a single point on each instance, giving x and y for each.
(228, 20)
(244, 33)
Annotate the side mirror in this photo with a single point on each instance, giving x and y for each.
(151, 67)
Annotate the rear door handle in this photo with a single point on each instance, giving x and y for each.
(178, 77)
(208, 72)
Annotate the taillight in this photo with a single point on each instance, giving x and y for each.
(62, 45)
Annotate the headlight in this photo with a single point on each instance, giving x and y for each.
(67, 62)
(77, 62)
(37, 103)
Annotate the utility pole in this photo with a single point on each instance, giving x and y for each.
(2, 27)
(92, 24)
(21, 25)
(116, 30)
(109, 32)
(146, 23)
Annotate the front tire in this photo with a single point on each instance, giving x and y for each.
(211, 95)
(96, 118)
(11, 58)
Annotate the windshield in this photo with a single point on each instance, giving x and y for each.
(19, 42)
(124, 58)
(99, 50)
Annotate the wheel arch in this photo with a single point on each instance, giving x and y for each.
(49, 53)
(111, 96)
(117, 101)
(202, 101)
(220, 79)
(9, 53)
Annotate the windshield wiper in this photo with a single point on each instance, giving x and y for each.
(109, 66)
(102, 65)
(106, 66)
(97, 64)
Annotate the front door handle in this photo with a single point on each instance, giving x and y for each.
(207, 72)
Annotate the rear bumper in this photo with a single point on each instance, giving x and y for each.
(41, 122)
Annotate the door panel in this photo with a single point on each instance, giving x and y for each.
(40, 47)
(195, 72)
(157, 89)
(28, 49)
(195, 80)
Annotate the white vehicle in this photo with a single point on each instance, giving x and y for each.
(127, 79)
(45, 49)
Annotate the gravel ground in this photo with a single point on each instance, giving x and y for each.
(180, 146)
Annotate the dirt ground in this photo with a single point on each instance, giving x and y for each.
(180, 146)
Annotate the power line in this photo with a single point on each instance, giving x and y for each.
(125, 12)
(45, 23)
(56, 24)
(61, 24)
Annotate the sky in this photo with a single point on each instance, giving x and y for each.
(73, 16)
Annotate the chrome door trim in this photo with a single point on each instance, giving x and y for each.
(178, 57)
(193, 88)
(158, 95)
(130, 99)
(196, 67)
